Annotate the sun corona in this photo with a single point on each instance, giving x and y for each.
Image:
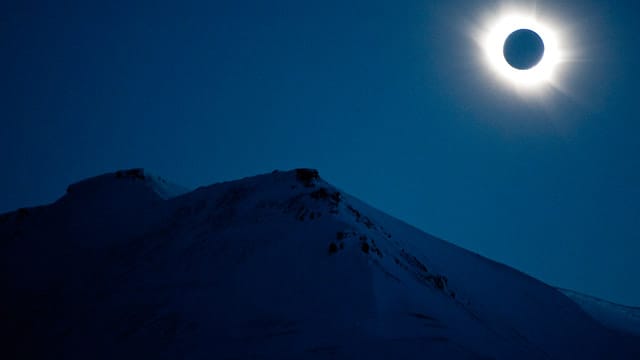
(492, 41)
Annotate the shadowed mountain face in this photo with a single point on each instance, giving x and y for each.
(277, 266)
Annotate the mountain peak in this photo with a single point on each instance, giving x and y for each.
(276, 266)
(123, 180)
(307, 176)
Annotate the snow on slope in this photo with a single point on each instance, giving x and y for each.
(615, 316)
(277, 266)
(137, 181)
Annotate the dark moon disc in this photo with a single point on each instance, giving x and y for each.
(523, 49)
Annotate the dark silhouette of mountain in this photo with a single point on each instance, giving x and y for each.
(277, 266)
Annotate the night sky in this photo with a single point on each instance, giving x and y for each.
(391, 100)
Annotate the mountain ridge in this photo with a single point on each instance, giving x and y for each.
(280, 265)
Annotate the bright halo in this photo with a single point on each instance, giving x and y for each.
(492, 42)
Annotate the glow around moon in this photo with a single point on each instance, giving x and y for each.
(491, 38)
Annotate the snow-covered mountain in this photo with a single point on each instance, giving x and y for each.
(277, 266)
(625, 319)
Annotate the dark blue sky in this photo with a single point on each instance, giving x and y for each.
(389, 100)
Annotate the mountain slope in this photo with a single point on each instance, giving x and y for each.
(618, 317)
(277, 266)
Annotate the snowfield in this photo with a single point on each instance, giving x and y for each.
(277, 266)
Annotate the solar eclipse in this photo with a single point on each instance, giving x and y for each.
(521, 49)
